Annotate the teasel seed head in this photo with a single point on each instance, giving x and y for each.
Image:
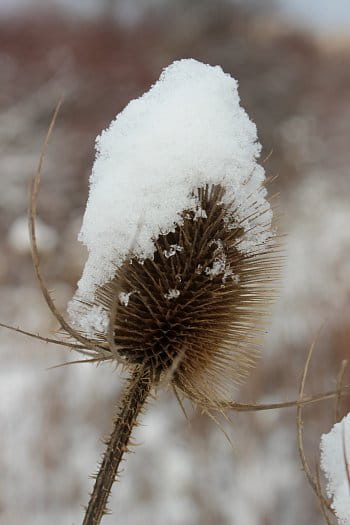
(194, 313)
(180, 238)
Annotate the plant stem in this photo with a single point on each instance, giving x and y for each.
(129, 408)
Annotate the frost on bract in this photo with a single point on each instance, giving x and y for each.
(186, 132)
(335, 460)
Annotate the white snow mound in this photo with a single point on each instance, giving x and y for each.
(335, 460)
(188, 130)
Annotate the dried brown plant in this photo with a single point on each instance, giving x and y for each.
(186, 325)
(185, 320)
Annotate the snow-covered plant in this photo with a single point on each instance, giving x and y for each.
(179, 236)
(182, 253)
(335, 463)
(181, 248)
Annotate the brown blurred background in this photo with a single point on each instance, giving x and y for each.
(295, 84)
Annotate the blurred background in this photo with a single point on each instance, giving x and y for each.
(292, 60)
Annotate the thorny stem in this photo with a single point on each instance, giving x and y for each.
(130, 407)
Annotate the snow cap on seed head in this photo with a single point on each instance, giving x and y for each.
(186, 132)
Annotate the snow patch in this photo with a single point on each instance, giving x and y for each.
(200, 213)
(172, 250)
(172, 294)
(335, 462)
(124, 298)
(92, 320)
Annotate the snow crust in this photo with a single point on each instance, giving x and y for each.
(188, 130)
(335, 460)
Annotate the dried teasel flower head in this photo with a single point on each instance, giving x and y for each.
(178, 228)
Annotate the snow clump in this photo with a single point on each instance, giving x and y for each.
(335, 463)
